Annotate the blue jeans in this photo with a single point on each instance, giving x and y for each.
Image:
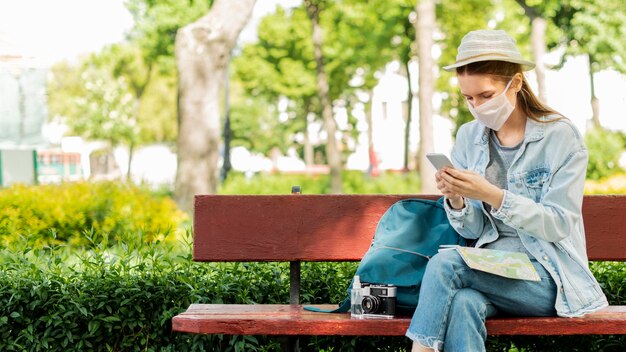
(455, 300)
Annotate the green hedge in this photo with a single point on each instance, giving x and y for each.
(54, 214)
(354, 182)
(122, 298)
(117, 286)
(116, 299)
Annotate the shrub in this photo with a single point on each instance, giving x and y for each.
(354, 182)
(122, 298)
(615, 184)
(237, 183)
(53, 214)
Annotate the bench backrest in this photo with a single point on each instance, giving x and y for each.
(341, 227)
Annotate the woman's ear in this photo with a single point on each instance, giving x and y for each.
(518, 80)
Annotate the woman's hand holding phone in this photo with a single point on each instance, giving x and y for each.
(454, 199)
(442, 164)
(455, 184)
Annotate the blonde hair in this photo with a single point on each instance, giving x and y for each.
(504, 71)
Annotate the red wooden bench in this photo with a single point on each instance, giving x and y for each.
(297, 228)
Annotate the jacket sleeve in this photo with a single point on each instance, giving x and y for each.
(558, 213)
(470, 220)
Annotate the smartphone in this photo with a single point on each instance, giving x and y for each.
(439, 160)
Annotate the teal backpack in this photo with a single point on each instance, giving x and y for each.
(407, 236)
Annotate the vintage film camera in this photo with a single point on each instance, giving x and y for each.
(379, 301)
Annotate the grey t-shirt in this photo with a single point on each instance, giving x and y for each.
(500, 159)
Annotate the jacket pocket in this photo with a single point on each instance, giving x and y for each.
(534, 181)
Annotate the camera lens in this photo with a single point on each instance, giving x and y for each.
(370, 304)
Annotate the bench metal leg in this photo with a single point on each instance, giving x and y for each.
(290, 344)
(294, 282)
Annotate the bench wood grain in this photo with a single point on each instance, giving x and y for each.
(285, 319)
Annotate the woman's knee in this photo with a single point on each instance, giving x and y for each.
(448, 260)
(470, 300)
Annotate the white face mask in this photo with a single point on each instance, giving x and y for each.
(495, 111)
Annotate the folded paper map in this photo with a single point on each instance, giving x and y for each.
(514, 265)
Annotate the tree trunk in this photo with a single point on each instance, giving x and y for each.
(202, 52)
(228, 137)
(309, 153)
(138, 86)
(21, 108)
(373, 169)
(308, 146)
(538, 43)
(332, 152)
(425, 27)
(595, 103)
(409, 111)
(228, 133)
(538, 25)
(131, 152)
(139, 90)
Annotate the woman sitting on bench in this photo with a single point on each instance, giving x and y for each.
(517, 185)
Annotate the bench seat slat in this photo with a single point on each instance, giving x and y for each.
(276, 319)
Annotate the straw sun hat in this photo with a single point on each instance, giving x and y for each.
(488, 45)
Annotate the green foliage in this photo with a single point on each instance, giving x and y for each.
(591, 27)
(64, 85)
(119, 95)
(118, 299)
(156, 24)
(612, 278)
(455, 23)
(92, 102)
(52, 214)
(106, 111)
(123, 298)
(237, 183)
(359, 39)
(154, 91)
(354, 182)
(115, 96)
(281, 63)
(605, 149)
(157, 114)
(386, 183)
(256, 125)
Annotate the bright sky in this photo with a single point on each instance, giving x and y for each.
(53, 30)
(56, 29)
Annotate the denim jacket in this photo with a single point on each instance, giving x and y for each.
(543, 203)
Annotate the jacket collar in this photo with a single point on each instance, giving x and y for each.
(534, 131)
